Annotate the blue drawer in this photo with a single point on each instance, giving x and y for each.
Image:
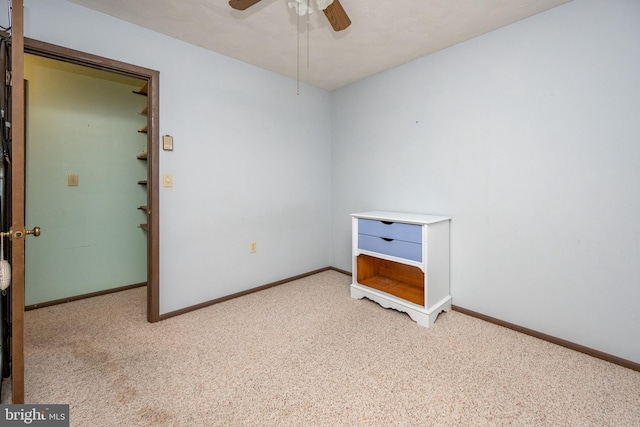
(397, 248)
(391, 230)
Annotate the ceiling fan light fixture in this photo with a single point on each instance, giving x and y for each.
(303, 7)
(300, 6)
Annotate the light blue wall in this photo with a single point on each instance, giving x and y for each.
(528, 138)
(83, 121)
(251, 159)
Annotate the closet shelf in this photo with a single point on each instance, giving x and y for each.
(144, 155)
(143, 90)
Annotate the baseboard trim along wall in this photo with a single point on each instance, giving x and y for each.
(558, 341)
(83, 296)
(239, 294)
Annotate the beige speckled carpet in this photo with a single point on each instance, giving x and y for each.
(306, 354)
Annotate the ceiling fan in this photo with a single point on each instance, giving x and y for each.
(334, 12)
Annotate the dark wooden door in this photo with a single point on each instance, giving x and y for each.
(16, 190)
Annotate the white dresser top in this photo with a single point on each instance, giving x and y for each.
(412, 218)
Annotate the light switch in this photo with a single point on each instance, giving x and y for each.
(167, 180)
(72, 180)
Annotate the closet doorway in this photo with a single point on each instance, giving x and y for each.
(119, 180)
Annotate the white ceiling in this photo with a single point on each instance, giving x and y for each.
(383, 33)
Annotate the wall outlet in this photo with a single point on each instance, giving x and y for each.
(252, 247)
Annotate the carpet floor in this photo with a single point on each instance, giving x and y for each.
(306, 354)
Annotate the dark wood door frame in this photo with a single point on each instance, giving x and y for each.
(153, 148)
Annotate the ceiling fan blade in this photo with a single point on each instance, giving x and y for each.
(337, 17)
(242, 4)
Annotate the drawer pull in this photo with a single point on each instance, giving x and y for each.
(390, 229)
(386, 239)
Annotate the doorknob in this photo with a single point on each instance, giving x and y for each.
(35, 231)
(19, 234)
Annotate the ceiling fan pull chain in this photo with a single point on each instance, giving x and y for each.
(308, 12)
(298, 55)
